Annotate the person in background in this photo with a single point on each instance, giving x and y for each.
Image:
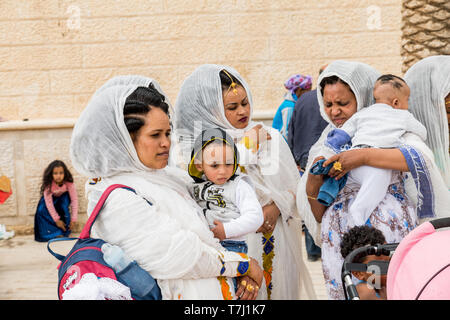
(53, 218)
(304, 130)
(296, 85)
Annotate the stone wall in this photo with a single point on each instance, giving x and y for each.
(55, 53)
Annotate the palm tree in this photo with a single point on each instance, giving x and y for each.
(425, 30)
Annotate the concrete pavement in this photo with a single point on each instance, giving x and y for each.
(28, 271)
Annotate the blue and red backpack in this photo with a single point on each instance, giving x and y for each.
(86, 256)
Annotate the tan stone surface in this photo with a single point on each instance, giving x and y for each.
(54, 54)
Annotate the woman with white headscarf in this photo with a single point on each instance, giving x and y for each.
(344, 88)
(217, 96)
(123, 137)
(429, 102)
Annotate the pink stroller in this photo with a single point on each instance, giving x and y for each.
(420, 266)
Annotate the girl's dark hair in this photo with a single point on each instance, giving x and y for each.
(47, 177)
(226, 78)
(360, 236)
(139, 103)
(332, 80)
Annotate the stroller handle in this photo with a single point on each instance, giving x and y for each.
(440, 223)
(384, 249)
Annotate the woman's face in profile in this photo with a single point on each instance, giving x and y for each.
(152, 141)
(237, 108)
(339, 102)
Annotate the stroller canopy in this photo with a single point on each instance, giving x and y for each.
(420, 266)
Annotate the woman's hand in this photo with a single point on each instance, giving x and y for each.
(256, 136)
(379, 158)
(271, 213)
(314, 181)
(349, 160)
(60, 224)
(248, 290)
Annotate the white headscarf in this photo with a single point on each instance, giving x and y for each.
(133, 79)
(359, 76)
(101, 145)
(429, 81)
(200, 106)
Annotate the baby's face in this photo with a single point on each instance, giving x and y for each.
(396, 98)
(217, 163)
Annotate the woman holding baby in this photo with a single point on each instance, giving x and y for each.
(344, 89)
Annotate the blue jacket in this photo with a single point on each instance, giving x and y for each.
(284, 114)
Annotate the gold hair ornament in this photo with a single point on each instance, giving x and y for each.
(232, 85)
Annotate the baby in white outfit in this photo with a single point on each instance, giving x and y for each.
(381, 125)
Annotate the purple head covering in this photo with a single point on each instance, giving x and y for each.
(298, 81)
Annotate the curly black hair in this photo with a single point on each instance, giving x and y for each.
(360, 236)
(47, 177)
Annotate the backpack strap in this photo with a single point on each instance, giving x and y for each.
(57, 255)
(86, 232)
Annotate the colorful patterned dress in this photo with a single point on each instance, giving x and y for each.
(395, 216)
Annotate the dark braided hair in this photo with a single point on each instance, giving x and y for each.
(360, 236)
(332, 80)
(47, 177)
(395, 81)
(139, 103)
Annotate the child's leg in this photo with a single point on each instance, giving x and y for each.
(62, 204)
(374, 184)
(235, 246)
(44, 226)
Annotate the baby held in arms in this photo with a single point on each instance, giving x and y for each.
(381, 125)
(228, 199)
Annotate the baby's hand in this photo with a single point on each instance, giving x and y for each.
(219, 231)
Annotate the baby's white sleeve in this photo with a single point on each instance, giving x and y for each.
(251, 217)
(414, 126)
